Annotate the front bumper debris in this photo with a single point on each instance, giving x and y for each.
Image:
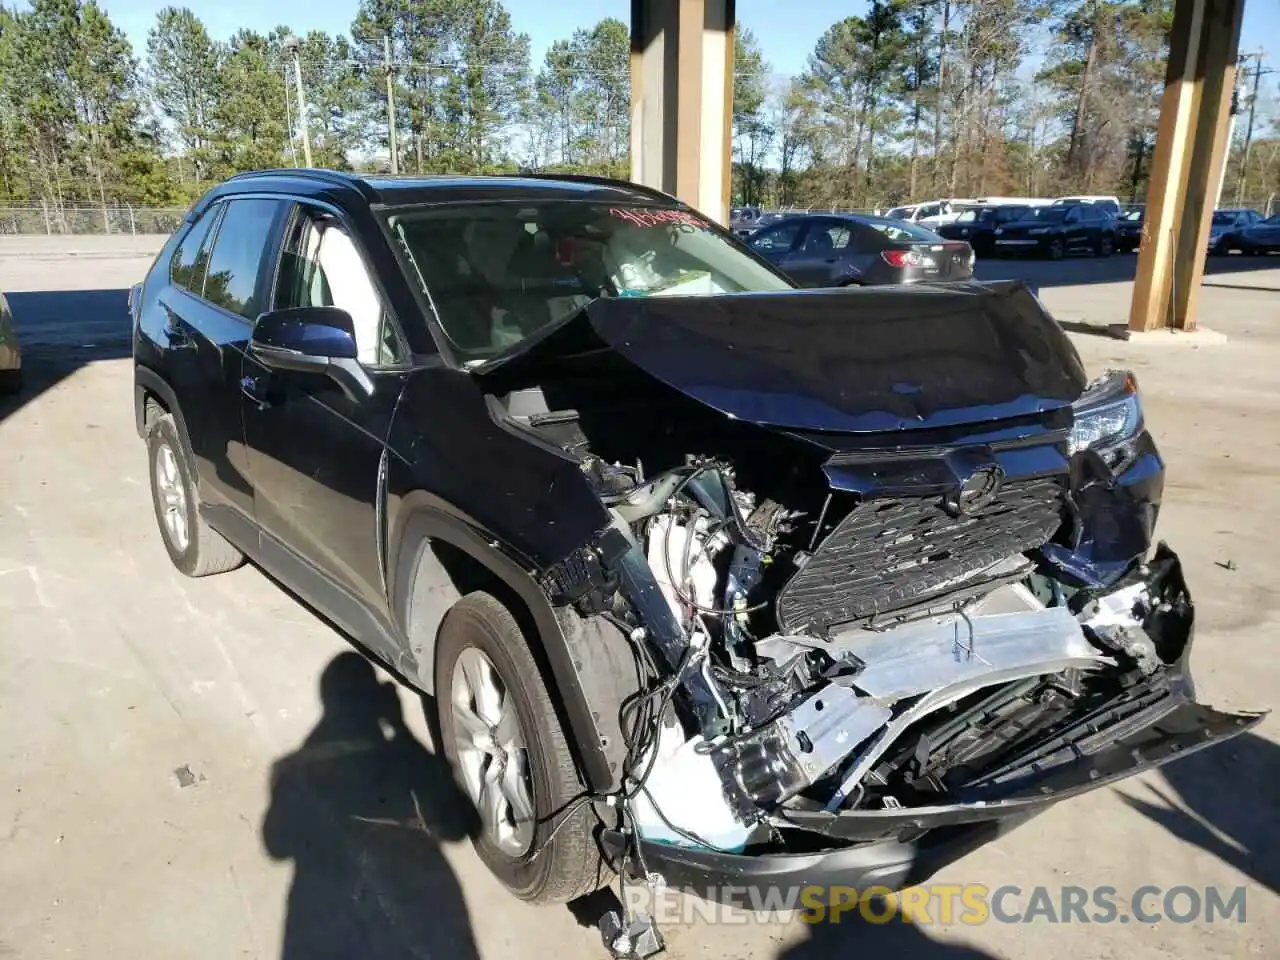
(1152, 720)
(895, 848)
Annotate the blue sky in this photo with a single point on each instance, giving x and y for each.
(787, 29)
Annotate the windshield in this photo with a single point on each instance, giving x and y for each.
(497, 273)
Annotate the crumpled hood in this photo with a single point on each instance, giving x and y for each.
(880, 359)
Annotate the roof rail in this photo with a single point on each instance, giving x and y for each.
(603, 181)
(335, 177)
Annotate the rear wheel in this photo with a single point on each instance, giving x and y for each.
(503, 738)
(194, 547)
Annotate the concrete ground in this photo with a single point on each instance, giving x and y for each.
(156, 794)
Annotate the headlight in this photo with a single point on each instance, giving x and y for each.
(1110, 410)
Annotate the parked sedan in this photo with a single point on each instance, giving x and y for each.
(1059, 230)
(838, 251)
(1228, 229)
(977, 227)
(10, 357)
(1261, 237)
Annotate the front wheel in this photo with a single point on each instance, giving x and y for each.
(1105, 245)
(1056, 248)
(503, 739)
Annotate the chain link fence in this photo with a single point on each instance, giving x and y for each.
(34, 219)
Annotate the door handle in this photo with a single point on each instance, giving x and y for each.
(178, 338)
(257, 390)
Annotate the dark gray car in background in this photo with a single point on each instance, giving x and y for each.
(846, 250)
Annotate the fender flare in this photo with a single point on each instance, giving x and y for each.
(146, 380)
(588, 659)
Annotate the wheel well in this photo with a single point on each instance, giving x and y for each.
(445, 574)
(153, 408)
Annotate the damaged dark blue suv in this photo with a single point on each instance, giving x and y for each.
(746, 584)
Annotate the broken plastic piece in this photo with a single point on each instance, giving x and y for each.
(634, 941)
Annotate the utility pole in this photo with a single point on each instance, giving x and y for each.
(1248, 130)
(292, 44)
(391, 107)
(1231, 135)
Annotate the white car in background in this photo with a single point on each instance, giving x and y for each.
(10, 357)
(932, 213)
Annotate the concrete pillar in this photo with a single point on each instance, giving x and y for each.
(682, 58)
(1191, 147)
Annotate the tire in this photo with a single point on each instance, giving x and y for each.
(569, 866)
(1057, 249)
(10, 381)
(1105, 246)
(205, 551)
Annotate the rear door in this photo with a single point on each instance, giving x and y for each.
(821, 257)
(214, 286)
(1075, 228)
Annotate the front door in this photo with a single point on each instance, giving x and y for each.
(774, 242)
(315, 452)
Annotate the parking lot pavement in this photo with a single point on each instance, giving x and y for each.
(164, 789)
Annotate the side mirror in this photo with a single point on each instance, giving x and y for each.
(305, 339)
(311, 340)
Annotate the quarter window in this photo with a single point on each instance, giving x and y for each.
(239, 250)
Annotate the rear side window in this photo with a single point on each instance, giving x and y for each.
(825, 235)
(187, 267)
(240, 250)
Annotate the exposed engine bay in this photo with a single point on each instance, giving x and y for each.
(862, 615)
(913, 702)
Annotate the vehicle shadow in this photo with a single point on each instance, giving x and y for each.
(896, 938)
(1223, 800)
(1120, 268)
(362, 808)
(60, 331)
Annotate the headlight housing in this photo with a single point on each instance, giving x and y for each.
(1108, 412)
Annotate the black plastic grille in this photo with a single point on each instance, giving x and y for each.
(897, 552)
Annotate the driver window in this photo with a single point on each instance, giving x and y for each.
(776, 239)
(322, 267)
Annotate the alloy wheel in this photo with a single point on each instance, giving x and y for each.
(493, 757)
(173, 497)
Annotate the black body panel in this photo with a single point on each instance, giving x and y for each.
(883, 360)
